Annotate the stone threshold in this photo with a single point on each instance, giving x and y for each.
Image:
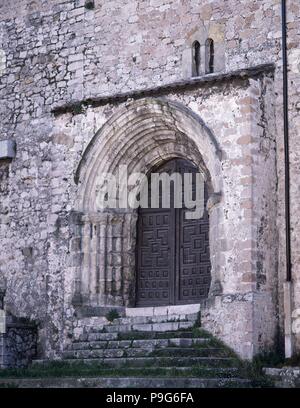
(162, 310)
(77, 107)
(100, 311)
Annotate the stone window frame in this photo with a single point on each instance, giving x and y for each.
(196, 58)
(202, 35)
(209, 56)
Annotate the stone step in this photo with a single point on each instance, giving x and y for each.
(97, 336)
(145, 352)
(126, 382)
(137, 335)
(149, 362)
(143, 348)
(65, 369)
(192, 317)
(227, 372)
(138, 323)
(190, 352)
(146, 327)
(146, 343)
(160, 335)
(162, 310)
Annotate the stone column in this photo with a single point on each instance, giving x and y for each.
(86, 257)
(107, 272)
(129, 272)
(115, 259)
(214, 243)
(76, 255)
(94, 231)
(102, 259)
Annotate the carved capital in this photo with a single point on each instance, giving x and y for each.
(216, 289)
(213, 200)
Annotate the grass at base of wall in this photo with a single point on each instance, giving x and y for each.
(59, 371)
(54, 369)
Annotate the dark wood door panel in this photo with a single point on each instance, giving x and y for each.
(154, 260)
(194, 277)
(173, 260)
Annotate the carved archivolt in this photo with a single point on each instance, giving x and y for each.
(141, 135)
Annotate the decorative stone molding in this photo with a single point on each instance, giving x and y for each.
(216, 288)
(106, 271)
(142, 135)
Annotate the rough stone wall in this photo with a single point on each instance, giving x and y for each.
(242, 125)
(19, 343)
(293, 19)
(286, 377)
(54, 52)
(126, 45)
(244, 316)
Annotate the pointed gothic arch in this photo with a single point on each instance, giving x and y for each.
(141, 135)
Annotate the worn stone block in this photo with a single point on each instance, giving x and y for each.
(7, 149)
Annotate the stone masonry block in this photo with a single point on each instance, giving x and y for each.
(7, 149)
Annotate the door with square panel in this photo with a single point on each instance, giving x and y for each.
(172, 251)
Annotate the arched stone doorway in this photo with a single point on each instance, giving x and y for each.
(145, 133)
(172, 251)
(142, 135)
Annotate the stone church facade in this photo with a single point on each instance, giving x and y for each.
(87, 87)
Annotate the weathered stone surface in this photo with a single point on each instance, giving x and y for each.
(286, 377)
(129, 382)
(18, 344)
(7, 149)
(59, 53)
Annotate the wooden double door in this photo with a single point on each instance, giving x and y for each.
(173, 261)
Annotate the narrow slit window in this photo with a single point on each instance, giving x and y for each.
(210, 56)
(89, 4)
(196, 59)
